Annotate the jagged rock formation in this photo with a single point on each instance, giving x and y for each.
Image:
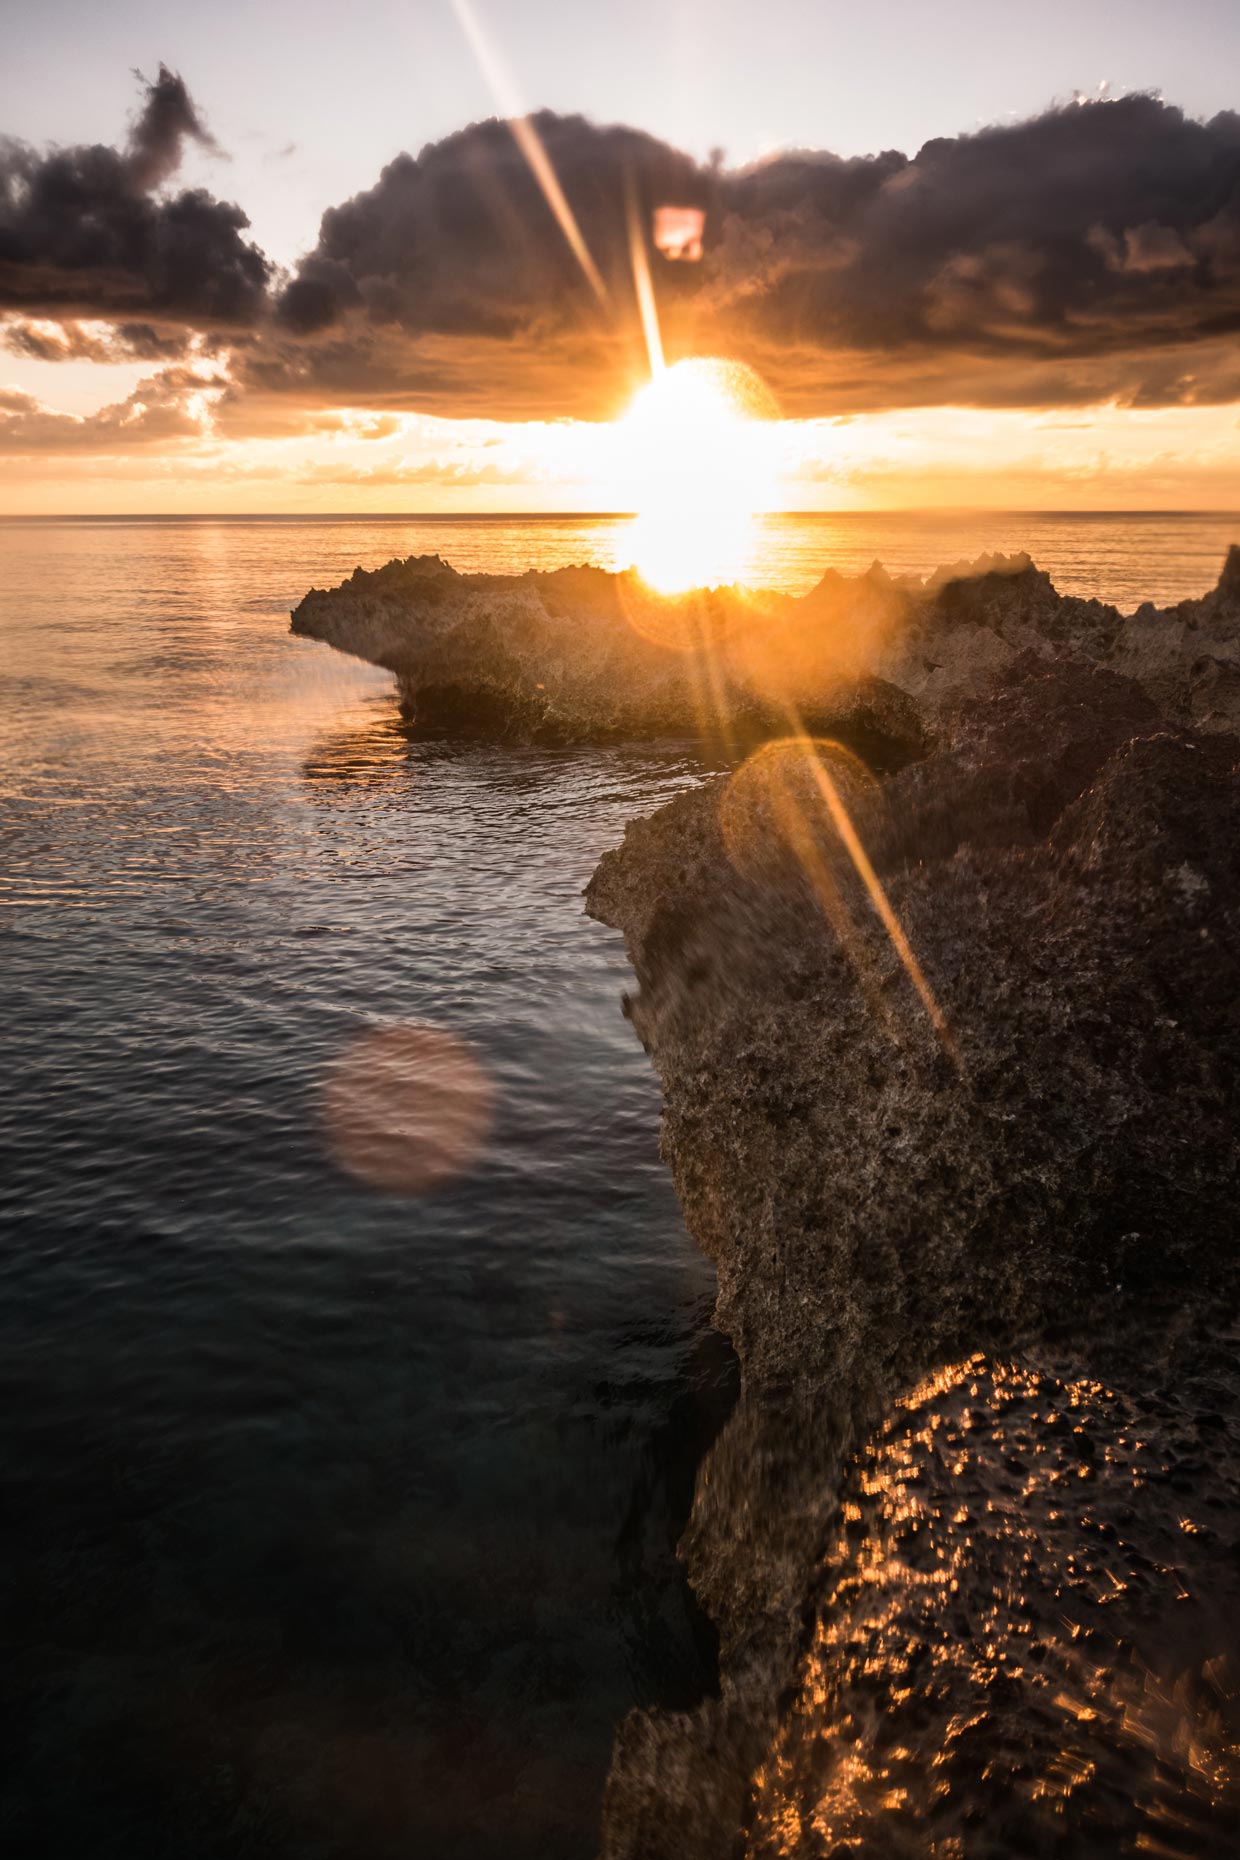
(970, 1617)
(580, 654)
(951, 1069)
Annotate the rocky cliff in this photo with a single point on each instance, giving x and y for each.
(580, 654)
(951, 1074)
(947, 1019)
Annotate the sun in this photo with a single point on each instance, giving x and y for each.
(697, 463)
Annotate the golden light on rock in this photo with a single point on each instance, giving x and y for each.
(962, 1654)
(696, 622)
(407, 1109)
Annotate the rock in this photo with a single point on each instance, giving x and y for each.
(538, 657)
(579, 654)
(949, 1038)
(973, 1214)
(1188, 657)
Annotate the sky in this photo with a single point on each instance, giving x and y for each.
(973, 263)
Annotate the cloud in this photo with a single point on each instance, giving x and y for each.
(449, 474)
(1046, 257)
(83, 233)
(166, 122)
(168, 407)
(45, 340)
(1090, 254)
(460, 241)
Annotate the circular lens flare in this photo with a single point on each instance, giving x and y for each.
(407, 1108)
(697, 459)
(776, 807)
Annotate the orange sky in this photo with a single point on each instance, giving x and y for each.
(357, 459)
(1037, 313)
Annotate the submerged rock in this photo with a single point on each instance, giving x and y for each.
(959, 1136)
(579, 654)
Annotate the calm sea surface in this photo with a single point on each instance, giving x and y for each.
(339, 1523)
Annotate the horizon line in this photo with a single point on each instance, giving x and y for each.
(586, 516)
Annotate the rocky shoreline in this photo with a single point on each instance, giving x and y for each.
(581, 655)
(970, 1288)
(949, 1038)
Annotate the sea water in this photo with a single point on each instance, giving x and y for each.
(340, 1522)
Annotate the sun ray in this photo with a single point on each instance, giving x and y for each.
(766, 806)
(763, 810)
(529, 142)
(883, 907)
(643, 283)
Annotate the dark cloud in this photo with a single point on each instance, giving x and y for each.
(1088, 231)
(166, 122)
(1091, 253)
(49, 341)
(83, 234)
(140, 342)
(461, 242)
(1044, 258)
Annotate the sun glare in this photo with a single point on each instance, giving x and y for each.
(697, 461)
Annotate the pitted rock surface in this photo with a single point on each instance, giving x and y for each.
(1036, 1197)
(950, 1054)
(579, 654)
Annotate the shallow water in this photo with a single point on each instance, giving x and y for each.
(340, 1522)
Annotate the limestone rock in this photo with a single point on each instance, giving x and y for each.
(579, 654)
(950, 1055)
(971, 1256)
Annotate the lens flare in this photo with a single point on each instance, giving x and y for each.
(529, 142)
(772, 807)
(643, 284)
(697, 463)
(842, 821)
(792, 801)
(406, 1109)
(678, 233)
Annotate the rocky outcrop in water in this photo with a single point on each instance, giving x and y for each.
(959, 1135)
(951, 1069)
(579, 654)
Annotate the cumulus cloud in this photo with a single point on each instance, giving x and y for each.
(1066, 251)
(460, 240)
(83, 232)
(1089, 254)
(171, 406)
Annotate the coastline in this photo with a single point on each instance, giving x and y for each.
(915, 1235)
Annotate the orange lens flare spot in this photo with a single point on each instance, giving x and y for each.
(697, 622)
(793, 801)
(407, 1109)
(677, 232)
(774, 809)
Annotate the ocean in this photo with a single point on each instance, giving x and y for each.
(341, 1522)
